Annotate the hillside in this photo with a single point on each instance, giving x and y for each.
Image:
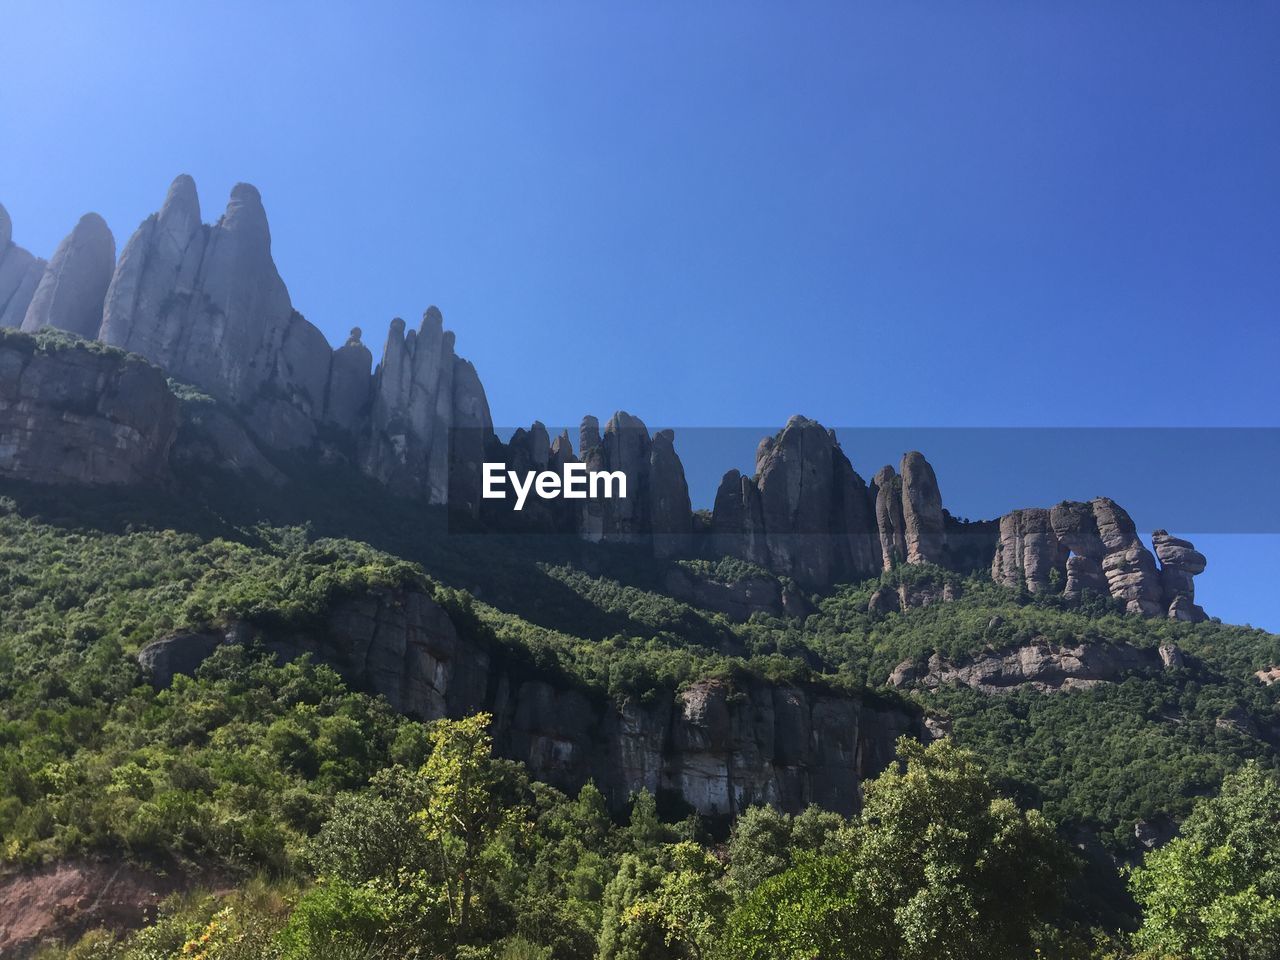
(265, 651)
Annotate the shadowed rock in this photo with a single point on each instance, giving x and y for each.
(20, 274)
(71, 291)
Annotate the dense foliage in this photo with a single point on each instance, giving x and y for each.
(347, 830)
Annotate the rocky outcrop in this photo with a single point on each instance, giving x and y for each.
(1095, 547)
(656, 510)
(718, 747)
(207, 304)
(210, 437)
(20, 274)
(72, 413)
(923, 527)
(670, 513)
(737, 599)
(807, 513)
(428, 411)
(1039, 665)
(71, 291)
(346, 401)
(1180, 562)
(890, 524)
(1029, 551)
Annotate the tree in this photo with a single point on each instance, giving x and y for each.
(1213, 893)
(467, 805)
(938, 866)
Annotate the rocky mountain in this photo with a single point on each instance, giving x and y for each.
(206, 304)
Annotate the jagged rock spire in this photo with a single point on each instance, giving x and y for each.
(20, 274)
(71, 291)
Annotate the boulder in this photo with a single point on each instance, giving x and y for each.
(1180, 563)
(346, 402)
(71, 291)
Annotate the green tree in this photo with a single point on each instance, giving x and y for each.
(938, 866)
(1213, 893)
(468, 804)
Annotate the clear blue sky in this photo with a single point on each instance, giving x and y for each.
(720, 213)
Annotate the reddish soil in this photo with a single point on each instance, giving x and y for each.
(61, 901)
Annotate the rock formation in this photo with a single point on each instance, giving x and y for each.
(1095, 546)
(807, 514)
(923, 528)
(1180, 562)
(71, 291)
(656, 509)
(20, 274)
(72, 414)
(207, 304)
(718, 747)
(1039, 665)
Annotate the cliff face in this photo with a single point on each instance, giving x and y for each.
(69, 414)
(716, 747)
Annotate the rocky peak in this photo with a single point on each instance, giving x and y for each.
(923, 526)
(71, 291)
(1095, 546)
(20, 274)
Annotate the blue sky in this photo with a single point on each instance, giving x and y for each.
(720, 214)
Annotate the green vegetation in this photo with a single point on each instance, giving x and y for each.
(348, 830)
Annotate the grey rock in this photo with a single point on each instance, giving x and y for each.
(670, 512)
(208, 305)
(1029, 552)
(76, 415)
(1180, 563)
(923, 527)
(164, 659)
(346, 403)
(884, 600)
(472, 434)
(890, 523)
(71, 292)
(211, 437)
(20, 274)
(588, 435)
(1040, 665)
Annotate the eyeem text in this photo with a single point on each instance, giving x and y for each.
(574, 483)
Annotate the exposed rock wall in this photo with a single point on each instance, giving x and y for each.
(71, 414)
(1039, 665)
(1095, 546)
(719, 748)
(807, 513)
(20, 274)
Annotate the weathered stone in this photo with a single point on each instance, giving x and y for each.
(670, 513)
(588, 435)
(923, 527)
(346, 402)
(1180, 562)
(208, 305)
(472, 435)
(884, 600)
(20, 274)
(1039, 665)
(71, 292)
(1084, 573)
(890, 524)
(71, 414)
(1029, 553)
